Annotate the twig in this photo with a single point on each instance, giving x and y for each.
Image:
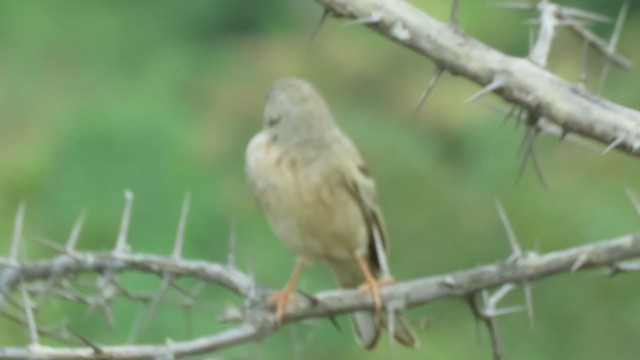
(548, 21)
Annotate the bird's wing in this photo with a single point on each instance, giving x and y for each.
(362, 187)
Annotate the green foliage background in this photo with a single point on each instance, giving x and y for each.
(161, 97)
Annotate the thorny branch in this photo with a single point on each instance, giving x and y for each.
(521, 81)
(257, 320)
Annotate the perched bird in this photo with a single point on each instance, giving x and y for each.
(319, 199)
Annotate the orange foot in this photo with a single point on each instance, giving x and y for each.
(279, 300)
(371, 283)
(374, 286)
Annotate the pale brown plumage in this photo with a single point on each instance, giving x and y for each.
(314, 189)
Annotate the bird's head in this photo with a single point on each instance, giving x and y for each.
(296, 113)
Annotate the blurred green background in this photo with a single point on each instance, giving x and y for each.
(161, 97)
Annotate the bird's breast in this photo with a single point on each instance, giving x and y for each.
(305, 200)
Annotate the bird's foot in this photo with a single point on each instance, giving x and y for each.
(280, 299)
(373, 285)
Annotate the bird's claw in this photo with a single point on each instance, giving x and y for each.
(279, 299)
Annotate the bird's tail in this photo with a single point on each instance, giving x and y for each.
(367, 329)
(367, 326)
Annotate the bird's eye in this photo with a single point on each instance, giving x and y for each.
(273, 121)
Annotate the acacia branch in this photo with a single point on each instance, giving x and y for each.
(258, 321)
(523, 81)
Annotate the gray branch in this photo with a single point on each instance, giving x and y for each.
(523, 81)
(257, 319)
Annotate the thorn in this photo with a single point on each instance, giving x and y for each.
(618, 28)
(186, 293)
(96, 349)
(625, 267)
(107, 292)
(613, 42)
(310, 297)
(153, 305)
(519, 114)
(499, 110)
(391, 324)
(490, 323)
(515, 5)
(531, 39)
(523, 143)
(532, 23)
(582, 259)
(49, 244)
(516, 250)
(28, 310)
(107, 312)
(251, 274)
(121, 243)
(454, 20)
(450, 282)
(510, 114)
(567, 11)
(135, 327)
(498, 82)
(437, 72)
(424, 323)
(75, 233)
(182, 225)
(614, 270)
(531, 151)
(17, 234)
(169, 344)
(528, 299)
(504, 290)
(582, 79)
(564, 133)
(634, 199)
(335, 322)
(231, 257)
(373, 19)
(54, 333)
(528, 145)
(231, 313)
(507, 311)
(316, 30)
(601, 46)
(572, 22)
(617, 141)
(196, 290)
(473, 304)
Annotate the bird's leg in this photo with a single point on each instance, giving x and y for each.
(371, 284)
(280, 298)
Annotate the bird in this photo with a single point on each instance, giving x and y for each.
(319, 199)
